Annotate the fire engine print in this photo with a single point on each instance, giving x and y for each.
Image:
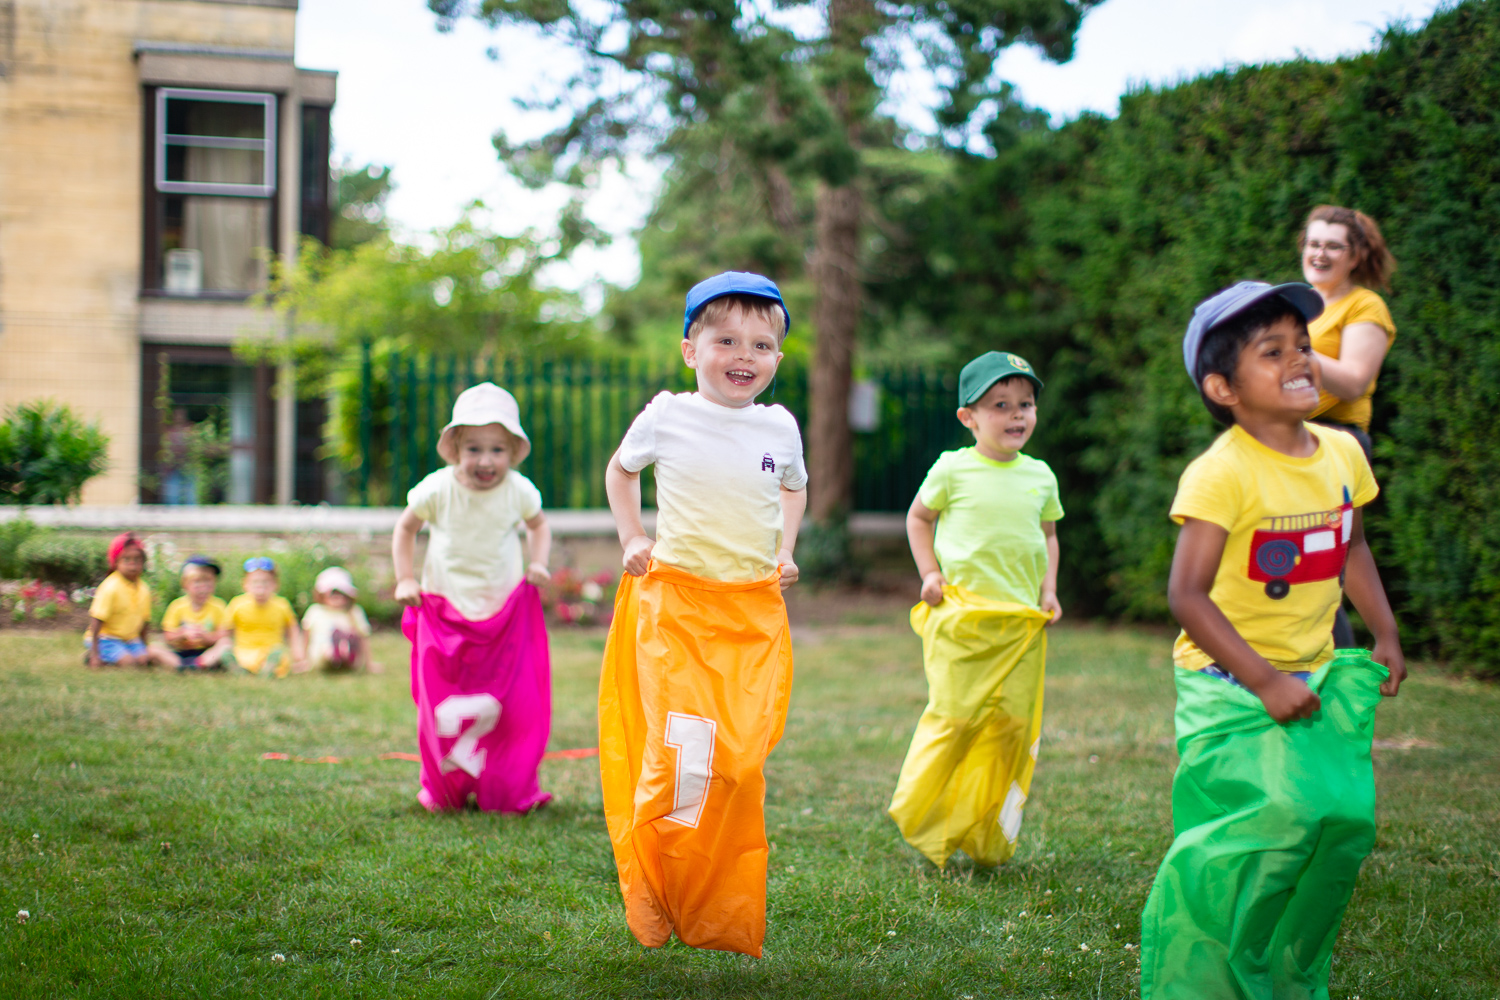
(1301, 548)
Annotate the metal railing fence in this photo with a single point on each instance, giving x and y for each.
(576, 411)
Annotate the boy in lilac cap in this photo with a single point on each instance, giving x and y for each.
(1273, 803)
(698, 666)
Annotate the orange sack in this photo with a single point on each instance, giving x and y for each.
(693, 697)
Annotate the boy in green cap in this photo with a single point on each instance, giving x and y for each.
(983, 530)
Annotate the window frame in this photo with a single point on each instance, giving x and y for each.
(267, 145)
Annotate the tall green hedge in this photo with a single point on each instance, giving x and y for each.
(1086, 248)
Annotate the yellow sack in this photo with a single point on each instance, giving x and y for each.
(968, 771)
(694, 693)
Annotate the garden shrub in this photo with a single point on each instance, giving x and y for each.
(12, 534)
(73, 560)
(47, 453)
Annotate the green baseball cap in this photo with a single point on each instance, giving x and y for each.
(987, 369)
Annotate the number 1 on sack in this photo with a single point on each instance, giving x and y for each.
(450, 716)
(692, 736)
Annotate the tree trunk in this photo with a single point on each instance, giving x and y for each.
(836, 312)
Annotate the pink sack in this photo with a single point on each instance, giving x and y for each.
(484, 702)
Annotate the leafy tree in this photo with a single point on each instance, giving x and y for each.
(471, 293)
(794, 109)
(47, 453)
(359, 197)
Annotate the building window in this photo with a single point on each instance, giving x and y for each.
(215, 142)
(315, 180)
(211, 209)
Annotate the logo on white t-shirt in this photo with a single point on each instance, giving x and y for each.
(767, 463)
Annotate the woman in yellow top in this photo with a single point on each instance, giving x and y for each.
(1345, 258)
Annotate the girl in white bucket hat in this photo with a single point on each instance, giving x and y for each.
(474, 609)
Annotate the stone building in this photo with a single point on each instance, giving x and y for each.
(155, 155)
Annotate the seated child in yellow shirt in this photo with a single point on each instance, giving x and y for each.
(195, 622)
(120, 615)
(337, 630)
(263, 635)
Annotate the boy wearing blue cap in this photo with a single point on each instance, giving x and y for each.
(1273, 804)
(697, 668)
(983, 532)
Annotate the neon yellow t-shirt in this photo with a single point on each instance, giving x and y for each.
(124, 607)
(989, 530)
(259, 628)
(1289, 522)
(210, 618)
(1327, 332)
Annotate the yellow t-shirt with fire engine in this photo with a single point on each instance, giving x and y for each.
(1289, 521)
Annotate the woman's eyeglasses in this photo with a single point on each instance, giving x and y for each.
(1330, 248)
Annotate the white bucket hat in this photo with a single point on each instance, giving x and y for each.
(476, 406)
(335, 579)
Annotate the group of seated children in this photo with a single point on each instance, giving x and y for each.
(254, 633)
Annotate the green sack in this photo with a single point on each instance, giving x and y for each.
(1272, 822)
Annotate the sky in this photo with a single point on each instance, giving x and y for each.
(427, 103)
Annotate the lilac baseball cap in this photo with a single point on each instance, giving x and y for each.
(1235, 299)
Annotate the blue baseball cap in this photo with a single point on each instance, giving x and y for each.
(264, 564)
(1236, 299)
(204, 562)
(731, 283)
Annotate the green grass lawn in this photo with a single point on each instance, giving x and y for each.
(99, 773)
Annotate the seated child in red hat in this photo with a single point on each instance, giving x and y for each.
(120, 615)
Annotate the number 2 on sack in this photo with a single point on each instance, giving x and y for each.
(692, 736)
(450, 716)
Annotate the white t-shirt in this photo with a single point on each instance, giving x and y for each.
(321, 621)
(719, 475)
(474, 549)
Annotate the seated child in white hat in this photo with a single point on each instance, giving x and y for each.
(337, 629)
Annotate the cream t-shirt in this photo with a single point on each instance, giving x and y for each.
(719, 475)
(474, 556)
(321, 621)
